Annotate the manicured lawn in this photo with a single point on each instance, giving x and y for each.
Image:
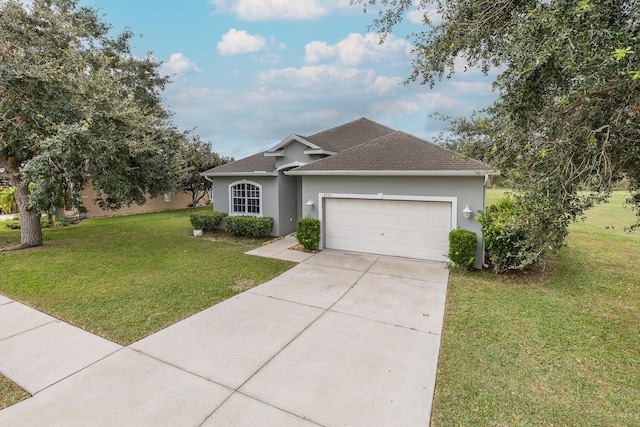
(125, 278)
(10, 393)
(561, 347)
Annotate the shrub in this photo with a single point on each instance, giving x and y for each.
(197, 221)
(8, 202)
(505, 236)
(462, 247)
(308, 232)
(250, 226)
(206, 221)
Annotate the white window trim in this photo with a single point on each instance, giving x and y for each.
(244, 181)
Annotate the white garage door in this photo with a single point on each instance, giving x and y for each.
(409, 229)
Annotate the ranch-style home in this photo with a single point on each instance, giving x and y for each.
(374, 189)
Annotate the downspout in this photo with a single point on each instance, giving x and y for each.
(484, 206)
(212, 182)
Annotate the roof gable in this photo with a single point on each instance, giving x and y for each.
(349, 135)
(291, 139)
(399, 152)
(358, 147)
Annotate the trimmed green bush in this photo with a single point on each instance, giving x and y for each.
(505, 235)
(206, 221)
(250, 226)
(462, 247)
(308, 232)
(197, 221)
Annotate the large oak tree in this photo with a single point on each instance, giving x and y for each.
(78, 109)
(566, 123)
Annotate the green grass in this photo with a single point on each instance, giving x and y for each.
(10, 393)
(125, 278)
(559, 347)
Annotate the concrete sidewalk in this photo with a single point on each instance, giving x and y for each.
(341, 339)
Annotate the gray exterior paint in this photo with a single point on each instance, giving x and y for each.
(294, 156)
(279, 199)
(269, 185)
(288, 204)
(360, 158)
(467, 190)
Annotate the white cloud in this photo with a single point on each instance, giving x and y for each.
(462, 67)
(266, 10)
(416, 16)
(321, 78)
(237, 42)
(179, 64)
(357, 49)
(385, 85)
(472, 88)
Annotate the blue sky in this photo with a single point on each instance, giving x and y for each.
(248, 73)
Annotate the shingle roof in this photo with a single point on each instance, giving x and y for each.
(395, 152)
(349, 135)
(363, 145)
(251, 164)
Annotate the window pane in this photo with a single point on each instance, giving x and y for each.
(245, 198)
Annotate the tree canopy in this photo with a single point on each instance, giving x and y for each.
(566, 123)
(197, 156)
(77, 108)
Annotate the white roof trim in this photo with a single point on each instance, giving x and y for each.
(327, 152)
(291, 138)
(393, 173)
(295, 164)
(274, 153)
(247, 174)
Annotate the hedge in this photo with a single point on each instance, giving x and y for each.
(250, 226)
(206, 221)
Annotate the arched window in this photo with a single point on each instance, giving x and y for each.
(245, 198)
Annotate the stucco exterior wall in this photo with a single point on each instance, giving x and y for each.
(288, 201)
(178, 201)
(294, 152)
(467, 191)
(269, 184)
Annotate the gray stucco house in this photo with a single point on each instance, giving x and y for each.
(374, 189)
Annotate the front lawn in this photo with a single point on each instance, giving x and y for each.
(10, 393)
(127, 277)
(560, 347)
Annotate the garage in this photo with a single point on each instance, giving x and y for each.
(406, 228)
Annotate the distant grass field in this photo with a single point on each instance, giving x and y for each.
(559, 347)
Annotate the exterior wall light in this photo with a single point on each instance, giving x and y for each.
(310, 204)
(466, 212)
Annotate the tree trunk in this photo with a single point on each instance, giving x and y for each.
(30, 229)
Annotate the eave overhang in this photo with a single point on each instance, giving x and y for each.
(274, 153)
(392, 173)
(254, 173)
(288, 140)
(320, 151)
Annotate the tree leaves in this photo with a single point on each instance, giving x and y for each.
(566, 126)
(78, 109)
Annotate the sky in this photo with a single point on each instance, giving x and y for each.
(246, 74)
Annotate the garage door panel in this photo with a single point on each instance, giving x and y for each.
(414, 229)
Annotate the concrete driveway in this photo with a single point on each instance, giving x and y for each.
(341, 339)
